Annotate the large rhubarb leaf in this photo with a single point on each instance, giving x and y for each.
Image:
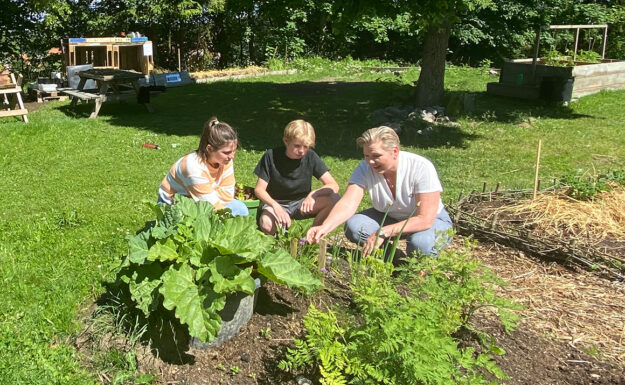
(143, 284)
(196, 310)
(239, 236)
(163, 250)
(280, 267)
(137, 248)
(228, 277)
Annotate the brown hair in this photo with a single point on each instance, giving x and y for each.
(302, 130)
(216, 134)
(383, 134)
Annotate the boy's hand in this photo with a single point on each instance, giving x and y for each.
(307, 205)
(283, 218)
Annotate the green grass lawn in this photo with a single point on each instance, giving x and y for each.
(73, 187)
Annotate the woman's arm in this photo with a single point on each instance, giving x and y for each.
(342, 211)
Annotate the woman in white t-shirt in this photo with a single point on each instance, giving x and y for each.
(400, 183)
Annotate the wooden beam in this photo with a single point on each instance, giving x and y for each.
(573, 26)
(13, 112)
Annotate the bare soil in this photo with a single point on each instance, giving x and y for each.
(537, 352)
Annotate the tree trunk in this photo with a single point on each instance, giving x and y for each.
(430, 86)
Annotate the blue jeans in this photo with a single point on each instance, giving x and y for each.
(360, 226)
(238, 208)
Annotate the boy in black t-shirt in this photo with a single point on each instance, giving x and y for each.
(285, 181)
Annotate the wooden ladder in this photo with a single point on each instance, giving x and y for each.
(12, 95)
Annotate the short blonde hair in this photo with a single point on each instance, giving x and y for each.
(302, 130)
(383, 134)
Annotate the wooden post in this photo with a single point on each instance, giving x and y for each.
(605, 40)
(179, 65)
(540, 143)
(535, 58)
(576, 41)
(323, 245)
(294, 242)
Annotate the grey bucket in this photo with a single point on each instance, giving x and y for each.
(235, 314)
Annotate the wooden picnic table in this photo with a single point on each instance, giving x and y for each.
(122, 84)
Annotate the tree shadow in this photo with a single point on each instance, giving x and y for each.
(339, 111)
(489, 107)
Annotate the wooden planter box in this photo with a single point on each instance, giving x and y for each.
(558, 84)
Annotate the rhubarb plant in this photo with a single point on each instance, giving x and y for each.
(192, 257)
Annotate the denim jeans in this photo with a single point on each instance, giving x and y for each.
(360, 226)
(238, 208)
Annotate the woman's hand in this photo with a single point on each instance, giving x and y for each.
(371, 244)
(315, 233)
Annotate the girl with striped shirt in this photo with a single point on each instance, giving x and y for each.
(206, 174)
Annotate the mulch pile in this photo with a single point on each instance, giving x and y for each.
(554, 226)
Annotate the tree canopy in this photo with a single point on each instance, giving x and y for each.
(428, 32)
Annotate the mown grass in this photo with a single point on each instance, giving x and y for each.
(73, 187)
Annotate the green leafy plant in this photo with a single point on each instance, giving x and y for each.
(192, 257)
(588, 56)
(405, 327)
(583, 187)
(555, 58)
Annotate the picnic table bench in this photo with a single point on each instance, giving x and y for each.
(123, 84)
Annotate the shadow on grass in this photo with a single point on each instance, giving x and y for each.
(489, 107)
(339, 111)
(259, 111)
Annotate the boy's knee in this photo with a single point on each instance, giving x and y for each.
(266, 224)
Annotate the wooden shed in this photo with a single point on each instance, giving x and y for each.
(125, 53)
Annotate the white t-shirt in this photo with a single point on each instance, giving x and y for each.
(415, 174)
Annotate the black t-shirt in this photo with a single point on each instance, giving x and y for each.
(289, 179)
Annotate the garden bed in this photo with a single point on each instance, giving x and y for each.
(252, 356)
(553, 226)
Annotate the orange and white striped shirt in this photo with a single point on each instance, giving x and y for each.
(192, 177)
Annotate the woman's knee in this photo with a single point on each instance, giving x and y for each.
(359, 227)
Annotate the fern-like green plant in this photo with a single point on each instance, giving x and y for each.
(404, 325)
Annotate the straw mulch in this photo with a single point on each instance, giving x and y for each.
(553, 226)
(557, 215)
(228, 72)
(578, 307)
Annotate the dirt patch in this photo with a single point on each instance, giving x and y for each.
(568, 334)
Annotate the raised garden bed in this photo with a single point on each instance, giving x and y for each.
(557, 83)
